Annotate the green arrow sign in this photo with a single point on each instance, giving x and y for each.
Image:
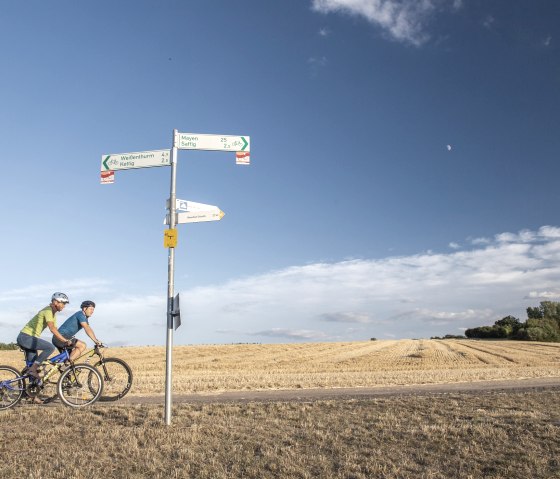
(201, 141)
(140, 159)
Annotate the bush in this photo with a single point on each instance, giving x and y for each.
(539, 330)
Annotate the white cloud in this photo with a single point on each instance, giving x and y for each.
(422, 295)
(454, 245)
(524, 236)
(302, 334)
(549, 232)
(544, 295)
(403, 20)
(447, 317)
(349, 317)
(76, 289)
(317, 61)
(488, 21)
(479, 241)
(547, 41)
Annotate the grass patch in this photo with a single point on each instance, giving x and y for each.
(491, 435)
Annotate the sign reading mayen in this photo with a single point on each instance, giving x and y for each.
(140, 159)
(200, 141)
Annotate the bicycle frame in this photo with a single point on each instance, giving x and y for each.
(8, 383)
(55, 362)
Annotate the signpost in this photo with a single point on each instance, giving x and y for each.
(192, 212)
(140, 159)
(201, 141)
(180, 211)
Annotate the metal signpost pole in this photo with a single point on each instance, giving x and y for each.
(190, 212)
(170, 286)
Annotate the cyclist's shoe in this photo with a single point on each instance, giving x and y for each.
(33, 371)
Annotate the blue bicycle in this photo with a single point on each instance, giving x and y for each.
(78, 385)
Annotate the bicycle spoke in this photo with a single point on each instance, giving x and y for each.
(117, 378)
(11, 387)
(80, 386)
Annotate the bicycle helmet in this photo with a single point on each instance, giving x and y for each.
(87, 304)
(61, 297)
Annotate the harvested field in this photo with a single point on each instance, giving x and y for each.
(238, 367)
(492, 435)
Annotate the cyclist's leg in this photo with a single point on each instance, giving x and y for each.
(78, 349)
(24, 342)
(34, 343)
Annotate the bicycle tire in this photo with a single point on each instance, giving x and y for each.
(11, 392)
(49, 388)
(117, 378)
(80, 385)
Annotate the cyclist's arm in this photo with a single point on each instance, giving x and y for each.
(90, 333)
(54, 330)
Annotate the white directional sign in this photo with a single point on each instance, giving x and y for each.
(140, 159)
(196, 216)
(201, 141)
(184, 205)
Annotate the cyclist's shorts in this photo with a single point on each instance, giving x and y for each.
(60, 345)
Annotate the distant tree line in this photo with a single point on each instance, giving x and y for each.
(449, 336)
(542, 324)
(8, 346)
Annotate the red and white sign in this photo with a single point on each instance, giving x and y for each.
(242, 158)
(107, 177)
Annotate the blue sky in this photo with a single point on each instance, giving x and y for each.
(403, 177)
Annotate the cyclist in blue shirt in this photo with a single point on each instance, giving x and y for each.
(70, 327)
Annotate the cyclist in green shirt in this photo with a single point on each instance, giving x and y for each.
(30, 336)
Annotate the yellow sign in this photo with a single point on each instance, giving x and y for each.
(170, 238)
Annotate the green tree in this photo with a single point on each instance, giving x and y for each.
(546, 310)
(510, 324)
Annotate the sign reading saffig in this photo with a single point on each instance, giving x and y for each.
(203, 141)
(140, 159)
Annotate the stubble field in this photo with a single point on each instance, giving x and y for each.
(212, 368)
(472, 435)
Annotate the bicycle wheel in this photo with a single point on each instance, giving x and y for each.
(117, 378)
(79, 386)
(11, 387)
(49, 391)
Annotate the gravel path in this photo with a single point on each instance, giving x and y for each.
(304, 395)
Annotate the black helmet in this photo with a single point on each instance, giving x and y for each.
(87, 304)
